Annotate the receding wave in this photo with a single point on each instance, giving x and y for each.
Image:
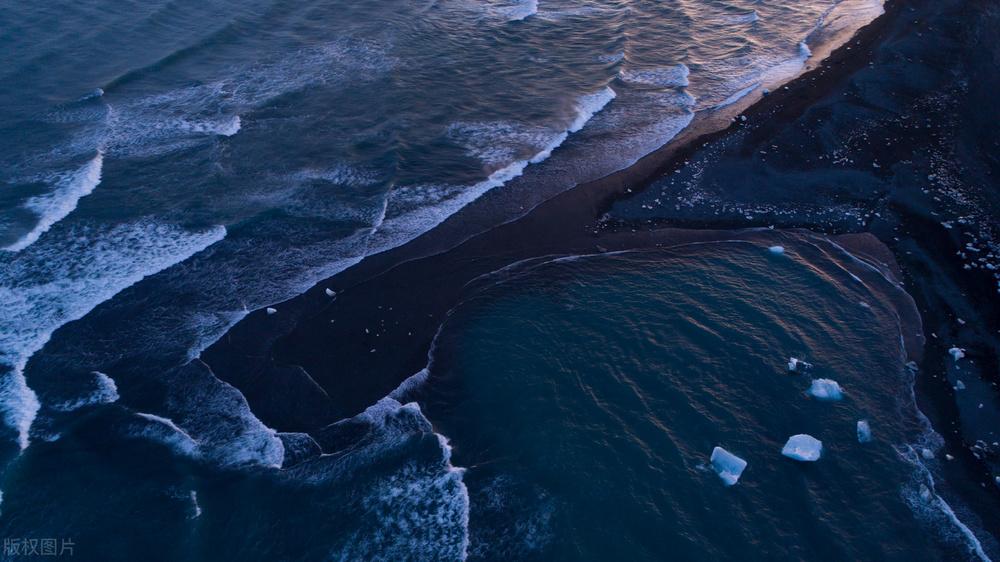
(61, 279)
(54, 206)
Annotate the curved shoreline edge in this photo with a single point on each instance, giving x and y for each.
(557, 220)
(407, 289)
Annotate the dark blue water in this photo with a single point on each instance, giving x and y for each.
(168, 167)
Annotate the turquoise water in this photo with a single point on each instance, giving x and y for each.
(585, 396)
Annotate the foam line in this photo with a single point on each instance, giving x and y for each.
(60, 202)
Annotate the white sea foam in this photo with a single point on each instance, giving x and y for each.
(499, 143)
(62, 278)
(151, 125)
(664, 77)
(164, 430)
(419, 510)
(340, 174)
(922, 496)
(55, 205)
(586, 107)
(737, 95)
(412, 210)
(209, 420)
(217, 417)
(411, 383)
(105, 392)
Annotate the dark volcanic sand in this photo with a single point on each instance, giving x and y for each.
(892, 135)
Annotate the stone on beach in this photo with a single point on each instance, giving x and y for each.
(803, 447)
(728, 466)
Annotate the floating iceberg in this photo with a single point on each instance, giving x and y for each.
(776, 249)
(803, 447)
(270, 310)
(728, 466)
(864, 431)
(957, 353)
(826, 389)
(330, 292)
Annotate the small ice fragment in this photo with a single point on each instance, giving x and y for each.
(330, 292)
(949, 457)
(925, 493)
(803, 447)
(728, 466)
(959, 385)
(794, 362)
(927, 453)
(776, 249)
(957, 353)
(864, 431)
(270, 310)
(826, 389)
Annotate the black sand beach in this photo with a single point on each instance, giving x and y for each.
(890, 137)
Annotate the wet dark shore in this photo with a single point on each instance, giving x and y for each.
(892, 135)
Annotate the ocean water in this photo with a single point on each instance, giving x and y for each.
(167, 167)
(586, 395)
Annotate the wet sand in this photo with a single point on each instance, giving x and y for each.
(320, 359)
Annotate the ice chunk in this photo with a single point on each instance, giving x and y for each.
(826, 389)
(271, 310)
(330, 292)
(959, 385)
(927, 454)
(776, 249)
(864, 431)
(803, 447)
(957, 353)
(795, 362)
(728, 466)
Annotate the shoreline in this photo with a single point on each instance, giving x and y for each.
(397, 299)
(566, 221)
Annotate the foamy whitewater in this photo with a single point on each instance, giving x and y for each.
(170, 168)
